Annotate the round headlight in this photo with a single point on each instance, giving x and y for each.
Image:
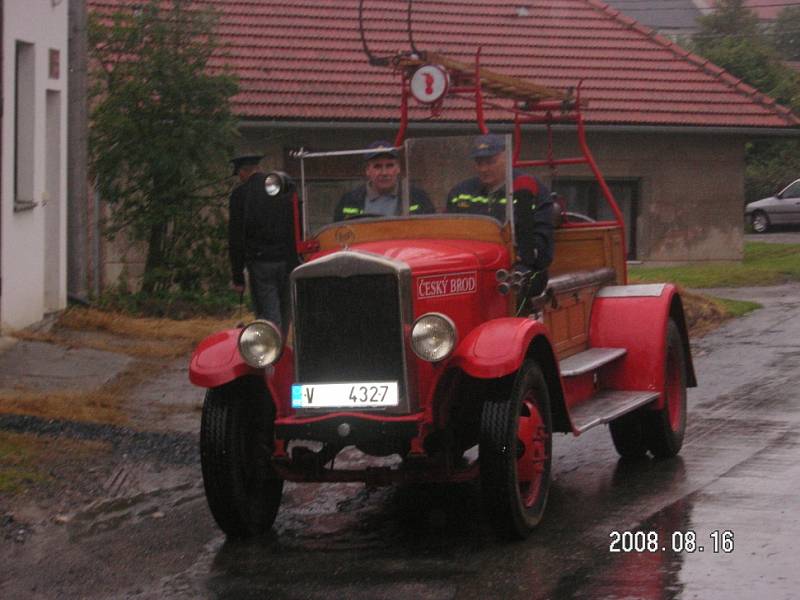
(274, 184)
(433, 337)
(260, 344)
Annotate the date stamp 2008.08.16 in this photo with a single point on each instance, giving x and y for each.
(688, 542)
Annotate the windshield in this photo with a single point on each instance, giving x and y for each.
(432, 175)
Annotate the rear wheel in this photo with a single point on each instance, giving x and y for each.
(516, 454)
(760, 222)
(628, 435)
(664, 429)
(242, 489)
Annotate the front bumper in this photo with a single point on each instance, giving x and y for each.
(349, 428)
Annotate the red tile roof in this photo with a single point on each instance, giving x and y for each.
(303, 60)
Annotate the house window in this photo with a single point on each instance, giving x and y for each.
(583, 196)
(24, 126)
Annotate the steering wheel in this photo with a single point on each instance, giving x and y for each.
(576, 217)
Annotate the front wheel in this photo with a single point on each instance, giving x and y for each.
(760, 222)
(516, 454)
(242, 489)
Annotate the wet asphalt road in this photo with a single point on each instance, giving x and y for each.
(737, 473)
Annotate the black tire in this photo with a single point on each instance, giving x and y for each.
(664, 429)
(627, 434)
(242, 489)
(515, 475)
(760, 221)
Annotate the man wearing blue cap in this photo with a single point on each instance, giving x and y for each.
(381, 196)
(485, 194)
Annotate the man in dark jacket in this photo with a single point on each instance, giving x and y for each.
(381, 196)
(261, 240)
(485, 194)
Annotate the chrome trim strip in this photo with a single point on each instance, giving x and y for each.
(632, 291)
(589, 360)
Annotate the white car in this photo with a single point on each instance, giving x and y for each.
(781, 209)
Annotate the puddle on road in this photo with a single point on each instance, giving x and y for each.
(135, 493)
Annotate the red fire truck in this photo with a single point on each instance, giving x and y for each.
(415, 342)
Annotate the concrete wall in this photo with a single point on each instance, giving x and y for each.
(33, 241)
(691, 190)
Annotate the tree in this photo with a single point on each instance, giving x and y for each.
(732, 38)
(787, 33)
(160, 136)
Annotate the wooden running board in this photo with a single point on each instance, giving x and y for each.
(607, 406)
(589, 360)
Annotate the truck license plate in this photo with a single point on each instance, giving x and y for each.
(372, 394)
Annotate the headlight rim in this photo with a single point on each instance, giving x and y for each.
(453, 328)
(282, 184)
(275, 330)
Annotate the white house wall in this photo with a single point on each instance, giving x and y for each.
(33, 242)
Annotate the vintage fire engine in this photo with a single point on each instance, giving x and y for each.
(414, 341)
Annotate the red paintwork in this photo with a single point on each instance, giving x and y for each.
(640, 325)
(279, 382)
(497, 348)
(217, 361)
(577, 389)
(426, 256)
(413, 418)
(530, 468)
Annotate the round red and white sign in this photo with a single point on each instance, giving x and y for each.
(429, 83)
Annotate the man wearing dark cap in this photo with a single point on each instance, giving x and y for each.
(261, 240)
(381, 196)
(485, 194)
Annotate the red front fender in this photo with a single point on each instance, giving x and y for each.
(216, 361)
(497, 348)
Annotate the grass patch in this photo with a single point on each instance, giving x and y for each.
(28, 460)
(101, 405)
(145, 328)
(171, 304)
(763, 264)
(145, 337)
(704, 313)
(737, 308)
(96, 406)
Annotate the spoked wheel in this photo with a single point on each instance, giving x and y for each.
(664, 429)
(242, 489)
(516, 454)
(760, 222)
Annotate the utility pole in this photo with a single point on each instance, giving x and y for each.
(77, 155)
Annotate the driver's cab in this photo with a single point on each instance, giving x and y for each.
(434, 166)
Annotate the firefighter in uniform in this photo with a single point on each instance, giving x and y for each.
(381, 196)
(485, 194)
(261, 240)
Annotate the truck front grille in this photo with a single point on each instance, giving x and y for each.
(349, 329)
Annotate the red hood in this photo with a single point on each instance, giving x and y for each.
(437, 256)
